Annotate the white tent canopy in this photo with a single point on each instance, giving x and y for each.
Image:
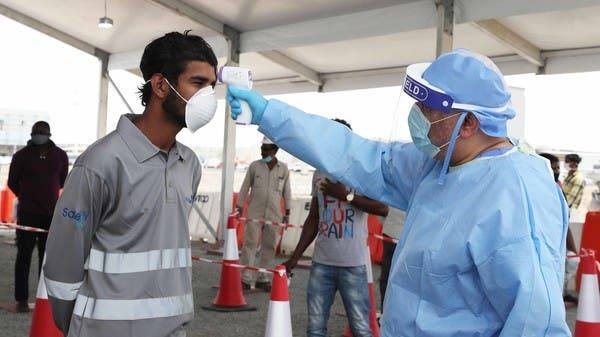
(314, 45)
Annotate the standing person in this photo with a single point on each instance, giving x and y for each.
(269, 181)
(37, 173)
(119, 257)
(570, 264)
(482, 251)
(392, 227)
(338, 220)
(574, 183)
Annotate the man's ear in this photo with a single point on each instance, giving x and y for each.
(160, 87)
(470, 126)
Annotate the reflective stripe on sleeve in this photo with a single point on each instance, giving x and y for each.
(61, 290)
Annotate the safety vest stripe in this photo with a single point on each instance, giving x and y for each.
(62, 290)
(130, 310)
(121, 263)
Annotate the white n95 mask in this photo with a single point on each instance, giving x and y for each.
(200, 108)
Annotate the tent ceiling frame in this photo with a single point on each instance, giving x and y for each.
(520, 45)
(274, 56)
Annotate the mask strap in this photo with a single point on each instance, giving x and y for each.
(185, 100)
(443, 119)
(453, 138)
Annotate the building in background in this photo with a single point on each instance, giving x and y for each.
(15, 128)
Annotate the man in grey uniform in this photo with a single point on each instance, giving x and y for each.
(118, 255)
(269, 179)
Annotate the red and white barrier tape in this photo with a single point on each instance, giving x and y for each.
(384, 238)
(271, 223)
(23, 228)
(239, 266)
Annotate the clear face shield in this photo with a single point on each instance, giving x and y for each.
(419, 90)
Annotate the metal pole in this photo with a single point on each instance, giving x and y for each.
(445, 26)
(103, 94)
(233, 59)
(114, 85)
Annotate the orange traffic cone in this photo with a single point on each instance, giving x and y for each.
(588, 311)
(373, 309)
(279, 321)
(230, 296)
(42, 323)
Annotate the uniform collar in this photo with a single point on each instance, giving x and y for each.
(141, 147)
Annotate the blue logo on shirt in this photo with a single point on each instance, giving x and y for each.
(197, 198)
(80, 217)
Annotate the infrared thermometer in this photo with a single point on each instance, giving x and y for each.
(240, 77)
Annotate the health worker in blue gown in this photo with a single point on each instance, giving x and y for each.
(482, 251)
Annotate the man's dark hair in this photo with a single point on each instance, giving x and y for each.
(169, 55)
(41, 126)
(342, 121)
(573, 158)
(552, 158)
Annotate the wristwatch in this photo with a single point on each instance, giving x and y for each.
(350, 196)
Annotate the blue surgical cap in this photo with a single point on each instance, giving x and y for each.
(472, 82)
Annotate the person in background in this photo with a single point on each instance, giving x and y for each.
(392, 227)
(268, 180)
(570, 265)
(574, 182)
(37, 173)
(338, 221)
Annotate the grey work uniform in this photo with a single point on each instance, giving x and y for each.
(268, 187)
(118, 257)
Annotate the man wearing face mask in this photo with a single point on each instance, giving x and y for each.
(482, 250)
(119, 258)
(37, 173)
(269, 182)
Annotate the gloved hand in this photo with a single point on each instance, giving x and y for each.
(257, 103)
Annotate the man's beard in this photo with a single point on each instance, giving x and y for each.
(172, 107)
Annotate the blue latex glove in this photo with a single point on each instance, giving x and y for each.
(257, 103)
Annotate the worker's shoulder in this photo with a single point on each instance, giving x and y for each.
(60, 151)
(282, 165)
(255, 164)
(188, 155)
(21, 152)
(102, 156)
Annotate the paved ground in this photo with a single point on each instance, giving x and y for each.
(206, 323)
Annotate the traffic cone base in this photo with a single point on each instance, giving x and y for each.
(279, 321)
(230, 297)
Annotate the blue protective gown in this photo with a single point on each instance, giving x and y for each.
(481, 255)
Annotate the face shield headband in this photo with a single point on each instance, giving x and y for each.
(430, 97)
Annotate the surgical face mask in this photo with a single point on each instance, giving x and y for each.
(200, 108)
(267, 159)
(39, 139)
(419, 127)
